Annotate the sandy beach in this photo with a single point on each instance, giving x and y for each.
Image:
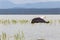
(35, 31)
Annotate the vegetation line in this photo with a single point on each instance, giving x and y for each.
(23, 21)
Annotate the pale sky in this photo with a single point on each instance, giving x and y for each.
(29, 1)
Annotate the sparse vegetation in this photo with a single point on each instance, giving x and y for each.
(17, 36)
(6, 21)
(51, 21)
(40, 39)
(59, 21)
(23, 21)
(4, 36)
(14, 21)
(23, 36)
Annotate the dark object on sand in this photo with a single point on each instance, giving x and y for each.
(38, 20)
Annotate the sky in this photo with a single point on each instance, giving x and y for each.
(27, 1)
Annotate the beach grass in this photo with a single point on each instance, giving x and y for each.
(4, 36)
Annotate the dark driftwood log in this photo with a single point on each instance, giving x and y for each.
(39, 20)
